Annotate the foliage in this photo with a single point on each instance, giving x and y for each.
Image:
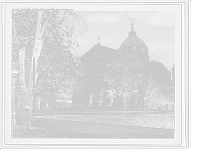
(60, 71)
(54, 31)
(57, 67)
(124, 76)
(90, 83)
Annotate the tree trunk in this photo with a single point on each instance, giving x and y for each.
(145, 104)
(26, 122)
(28, 105)
(169, 107)
(27, 90)
(39, 105)
(92, 106)
(26, 96)
(125, 109)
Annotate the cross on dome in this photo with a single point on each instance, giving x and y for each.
(132, 28)
(132, 32)
(98, 39)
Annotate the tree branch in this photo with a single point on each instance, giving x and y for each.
(22, 69)
(45, 24)
(152, 92)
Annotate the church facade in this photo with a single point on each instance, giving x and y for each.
(97, 59)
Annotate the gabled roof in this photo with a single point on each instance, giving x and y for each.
(100, 47)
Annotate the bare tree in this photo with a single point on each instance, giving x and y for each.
(156, 79)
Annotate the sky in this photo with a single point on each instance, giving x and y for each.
(157, 25)
(156, 29)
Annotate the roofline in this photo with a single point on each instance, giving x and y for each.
(100, 46)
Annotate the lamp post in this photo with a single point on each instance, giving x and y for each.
(14, 78)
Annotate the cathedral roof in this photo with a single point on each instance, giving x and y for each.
(98, 51)
(133, 43)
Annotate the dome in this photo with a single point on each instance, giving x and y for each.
(133, 43)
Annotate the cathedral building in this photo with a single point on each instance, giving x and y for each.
(98, 58)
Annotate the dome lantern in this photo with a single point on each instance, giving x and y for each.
(132, 32)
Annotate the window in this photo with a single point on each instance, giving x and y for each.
(134, 49)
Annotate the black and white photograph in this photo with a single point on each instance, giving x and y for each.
(95, 74)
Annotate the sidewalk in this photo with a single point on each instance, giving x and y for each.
(101, 129)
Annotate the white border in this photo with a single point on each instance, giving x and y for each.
(181, 118)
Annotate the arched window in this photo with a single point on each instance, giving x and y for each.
(134, 48)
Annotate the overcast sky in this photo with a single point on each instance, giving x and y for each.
(156, 29)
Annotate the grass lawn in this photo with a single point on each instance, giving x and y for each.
(41, 133)
(165, 121)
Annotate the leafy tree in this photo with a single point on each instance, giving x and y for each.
(47, 33)
(57, 75)
(90, 83)
(125, 76)
(27, 91)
